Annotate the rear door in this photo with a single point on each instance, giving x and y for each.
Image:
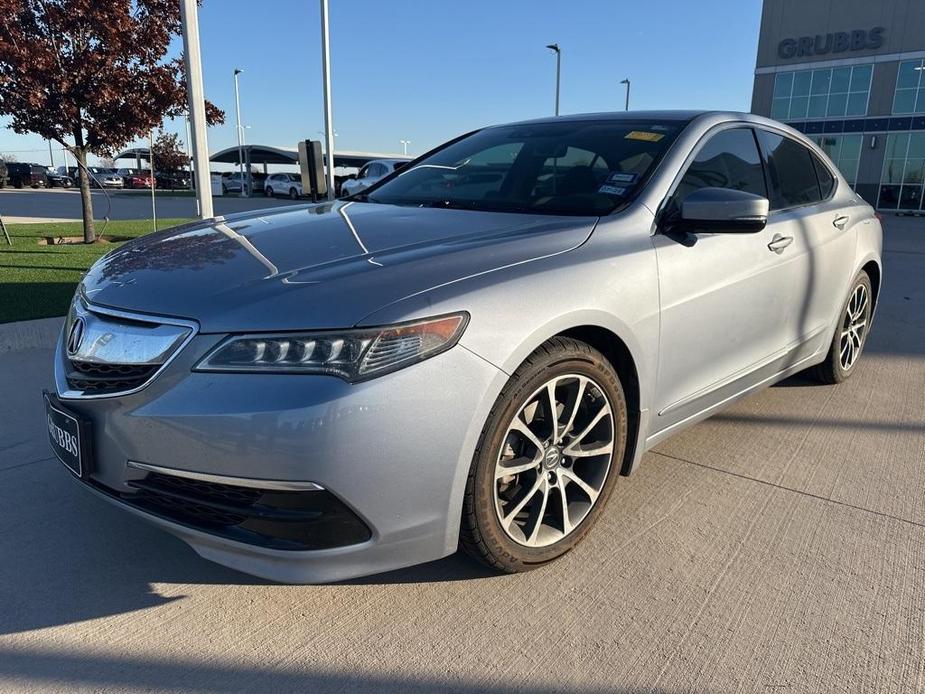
(724, 297)
(820, 236)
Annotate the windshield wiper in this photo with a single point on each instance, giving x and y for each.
(479, 205)
(360, 197)
(444, 204)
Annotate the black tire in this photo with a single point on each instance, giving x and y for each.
(224, 189)
(832, 370)
(293, 194)
(268, 191)
(481, 533)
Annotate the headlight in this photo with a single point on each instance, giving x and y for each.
(354, 355)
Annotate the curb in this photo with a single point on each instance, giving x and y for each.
(30, 334)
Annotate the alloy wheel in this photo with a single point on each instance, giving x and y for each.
(554, 460)
(854, 327)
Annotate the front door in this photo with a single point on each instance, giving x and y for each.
(724, 297)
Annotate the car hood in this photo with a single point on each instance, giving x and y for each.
(316, 266)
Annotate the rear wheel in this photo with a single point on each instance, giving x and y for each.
(547, 460)
(850, 335)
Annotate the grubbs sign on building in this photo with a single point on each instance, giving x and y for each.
(836, 42)
(850, 74)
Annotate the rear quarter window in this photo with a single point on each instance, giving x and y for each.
(825, 177)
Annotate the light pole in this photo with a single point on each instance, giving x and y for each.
(328, 109)
(237, 109)
(189, 21)
(189, 156)
(627, 83)
(151, 163)
(555, 48)
(404, 146)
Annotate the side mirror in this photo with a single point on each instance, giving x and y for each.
(724, 210)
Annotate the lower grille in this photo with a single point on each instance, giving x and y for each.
(292, 520)
(97, 379)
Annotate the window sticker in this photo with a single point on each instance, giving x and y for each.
(643, 135)
(612, 190)
(621, 177)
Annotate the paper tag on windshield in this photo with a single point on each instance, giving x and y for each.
(621, 177)
(643, 135)
(612, 190)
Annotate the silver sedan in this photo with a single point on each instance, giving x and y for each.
(469, 353)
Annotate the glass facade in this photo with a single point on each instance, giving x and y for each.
(844, 151)
(825, 93)
(903, 176)
(910, 87)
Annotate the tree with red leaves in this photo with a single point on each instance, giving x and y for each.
(93, 71)
(168, 154)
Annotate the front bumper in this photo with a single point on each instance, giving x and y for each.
(394, 451)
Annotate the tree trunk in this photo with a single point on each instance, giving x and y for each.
(80, 154)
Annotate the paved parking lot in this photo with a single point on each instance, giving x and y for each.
(777, 547)
(57, 203)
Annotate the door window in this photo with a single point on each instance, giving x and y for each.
(730, 159)
(791, 171)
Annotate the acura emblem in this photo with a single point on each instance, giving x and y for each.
(75, 337)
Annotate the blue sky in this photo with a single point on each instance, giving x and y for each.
(427, 71)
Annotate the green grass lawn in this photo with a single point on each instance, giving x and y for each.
(37, 281)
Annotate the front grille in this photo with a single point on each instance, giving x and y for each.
(109, 352)
(99, 379)
(291, 520)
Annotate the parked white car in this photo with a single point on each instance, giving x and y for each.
(283, 184)
(369, 174)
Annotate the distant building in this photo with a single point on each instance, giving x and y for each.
(851, 75)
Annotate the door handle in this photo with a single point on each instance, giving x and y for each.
(840, 221)
(779, 243)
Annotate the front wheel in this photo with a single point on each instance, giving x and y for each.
(268, 192)
(293, 194)
(547, 459)
(850, 335)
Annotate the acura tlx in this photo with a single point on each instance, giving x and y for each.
(470, 352)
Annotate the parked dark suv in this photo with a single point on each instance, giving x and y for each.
(3, 174)
(21, 175)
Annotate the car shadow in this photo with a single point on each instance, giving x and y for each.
(797, 381)
(133, 671)
(70, 556)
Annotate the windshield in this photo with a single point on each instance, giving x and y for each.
(570, 168)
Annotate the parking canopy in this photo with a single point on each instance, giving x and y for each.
(267, 154)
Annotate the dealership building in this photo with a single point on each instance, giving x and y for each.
(850, 74)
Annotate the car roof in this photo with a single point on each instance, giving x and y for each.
(681, 116)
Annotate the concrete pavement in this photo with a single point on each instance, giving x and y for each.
(777, 547)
